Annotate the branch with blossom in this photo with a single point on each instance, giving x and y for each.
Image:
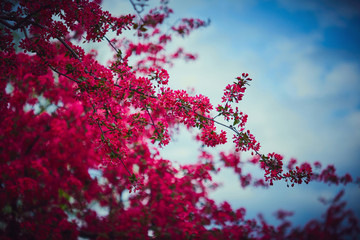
(97, 145)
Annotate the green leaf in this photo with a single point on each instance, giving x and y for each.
(63, 207)
(236, 121)
(63, 194)
(113, 154)
(69, 68)
(143, 29)
(136, 116)
(132, 178)
(118, 53)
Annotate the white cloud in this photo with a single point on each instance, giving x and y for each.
(292, 103)
(342, 78)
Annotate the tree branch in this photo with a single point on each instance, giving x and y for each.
(110, 145)
(156, 130)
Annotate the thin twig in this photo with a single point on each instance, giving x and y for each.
(156, 130)
(110, 145)
(62, 74)
(112, 45)
(69, 48)
(136, 10)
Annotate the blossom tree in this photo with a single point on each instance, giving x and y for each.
(64, 115)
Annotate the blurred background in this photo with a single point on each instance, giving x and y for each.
(303, 102)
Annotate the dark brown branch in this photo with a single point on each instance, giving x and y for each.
(19, 23)
(112, 45)
(30, 15)
(138, 11)
(69, 48)
(74, 80)
(7, 24)
(153, 123)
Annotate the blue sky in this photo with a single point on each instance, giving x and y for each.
(304, 101)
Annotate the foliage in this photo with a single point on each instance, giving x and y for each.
(64, 115)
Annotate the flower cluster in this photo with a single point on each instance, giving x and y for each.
(235, 92)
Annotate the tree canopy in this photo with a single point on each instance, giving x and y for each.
(64, 115)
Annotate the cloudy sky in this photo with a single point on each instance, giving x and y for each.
(304, 101)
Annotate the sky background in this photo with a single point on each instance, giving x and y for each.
(303, 102)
